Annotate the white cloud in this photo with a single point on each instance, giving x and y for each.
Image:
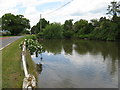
(84, 9)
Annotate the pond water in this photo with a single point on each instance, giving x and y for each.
(77, 64)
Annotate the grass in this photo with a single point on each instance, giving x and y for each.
(31, 65)
(7, 36)
(12, 71)
(0, 70)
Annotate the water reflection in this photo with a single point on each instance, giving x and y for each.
(39, 64)
(67, 46)
(39, 68)
(82, 47)
(53, 46)
(78, 64)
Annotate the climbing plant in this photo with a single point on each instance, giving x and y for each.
(33, 46)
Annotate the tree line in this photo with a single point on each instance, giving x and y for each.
(16, 24)
(98, 29)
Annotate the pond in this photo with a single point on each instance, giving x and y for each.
(77, 64)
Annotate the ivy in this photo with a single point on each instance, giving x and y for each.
(33, 46)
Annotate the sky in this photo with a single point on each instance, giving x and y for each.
(76, 9)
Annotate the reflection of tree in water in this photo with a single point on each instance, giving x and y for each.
(52, 45)
(95, 47)
(39, 65)
(68, 46)
(39, 68)
(82, 46)
(55, 46)
(107, 49)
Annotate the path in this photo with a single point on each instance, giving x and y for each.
(5, 41)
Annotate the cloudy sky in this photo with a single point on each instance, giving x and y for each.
(76, 9)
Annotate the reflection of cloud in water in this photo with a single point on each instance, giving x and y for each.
(33, 56)
(96, 64)
(77, 69)
(48, 53)
(78, 59)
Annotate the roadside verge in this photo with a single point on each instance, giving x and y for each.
(12, 71)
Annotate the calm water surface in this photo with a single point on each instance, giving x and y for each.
(77, 64)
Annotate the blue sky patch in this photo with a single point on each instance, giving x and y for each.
(50, 5)
(77, 14)
(20, 8)
(100, 10)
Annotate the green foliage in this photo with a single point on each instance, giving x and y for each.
(107, 30)
(31, 37)
(87, 36)
(95, 22)
(33, 46)
(68, 34)
(68, 25)
(15, 24)
(82, 28)
(102, 29)
(43, 23)
(36, 28)
(53, 30)
(98, 29)
(25, 32)
(68, 29)
(80, 25)
(114, 8)
(40, 35)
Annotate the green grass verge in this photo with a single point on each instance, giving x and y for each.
(7, 36)
(31, 65)
(0, 70)
(12, 71)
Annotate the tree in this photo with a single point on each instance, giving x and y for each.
(95, 22)
(68, 25)
(68, 29)
(82, 27)
(106, 30)
(36, 28)
(33, 29)
(15, 24)
(43, 23)
(53, 30)
(114, 8)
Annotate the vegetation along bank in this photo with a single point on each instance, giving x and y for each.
(96, 29)
(12, 75)
(104, 28)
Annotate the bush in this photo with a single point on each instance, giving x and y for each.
(40, 35)
(53, 31)
(68, 34)
(31, 37)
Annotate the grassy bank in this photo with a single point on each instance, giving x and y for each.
(12, 72)
(0, 70)
(7, 36)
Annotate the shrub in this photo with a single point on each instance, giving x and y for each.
(68, 34)
(53, 30)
